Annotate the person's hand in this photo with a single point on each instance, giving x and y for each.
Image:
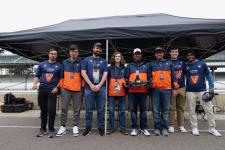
(211, 91)
(35, 86)
(55, 90)
(174, 92)
(82, 83)
(92, 86)
(97, 87)
(176, 85)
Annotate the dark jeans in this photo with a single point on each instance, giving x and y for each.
(112, 103)
(161, 102)
(47, 102)
(135, 100)
(91, 98)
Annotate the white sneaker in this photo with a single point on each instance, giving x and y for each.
(171, 129)
(214, 132)
(195, 132)
(75, 131)
(134, 132)
(182, 129)
(62, 131)
(145, 132)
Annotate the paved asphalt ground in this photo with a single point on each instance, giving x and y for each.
(17, 132)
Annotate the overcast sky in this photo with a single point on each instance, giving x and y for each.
(25, 14)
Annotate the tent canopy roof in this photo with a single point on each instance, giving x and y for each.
(124, 32)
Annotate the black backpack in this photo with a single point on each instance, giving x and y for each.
(9, 99)
(20, 100)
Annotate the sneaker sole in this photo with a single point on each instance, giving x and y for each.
(86, 134)
(76, 134)
(59, 135)
(42, 135)
(133, 134)
(145, 134)
(196, 134)
(214, 134)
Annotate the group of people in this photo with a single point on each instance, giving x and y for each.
(162, 80)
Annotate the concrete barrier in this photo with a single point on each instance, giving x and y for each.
(219, 99)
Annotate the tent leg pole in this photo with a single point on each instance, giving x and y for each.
(213, 73)
(106, 95)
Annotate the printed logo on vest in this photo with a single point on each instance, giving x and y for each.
(194, 79)
(178, 74)
(48, 77)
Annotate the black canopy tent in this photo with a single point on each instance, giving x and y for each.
(123, 33)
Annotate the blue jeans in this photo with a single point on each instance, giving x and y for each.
(91, 97)
(112, 102)
(135, 100)
(161, 102)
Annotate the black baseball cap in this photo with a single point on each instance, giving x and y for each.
(159, 49)
(98, 44)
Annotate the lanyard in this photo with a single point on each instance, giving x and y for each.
(160, 65)
(117, 71)
(73, 65)
(94, 63)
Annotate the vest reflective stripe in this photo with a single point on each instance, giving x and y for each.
(73, 84)
(161, 83)
(112, 82)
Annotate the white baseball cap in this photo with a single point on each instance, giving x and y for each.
(137, 50)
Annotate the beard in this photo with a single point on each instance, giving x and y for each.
(97, 53)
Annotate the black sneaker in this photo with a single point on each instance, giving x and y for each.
(110, 130)
(86, 131)
(41, 133)
(124, 131)
(50, 134)
(101, 131)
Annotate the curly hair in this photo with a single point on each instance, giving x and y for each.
(112, 60)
